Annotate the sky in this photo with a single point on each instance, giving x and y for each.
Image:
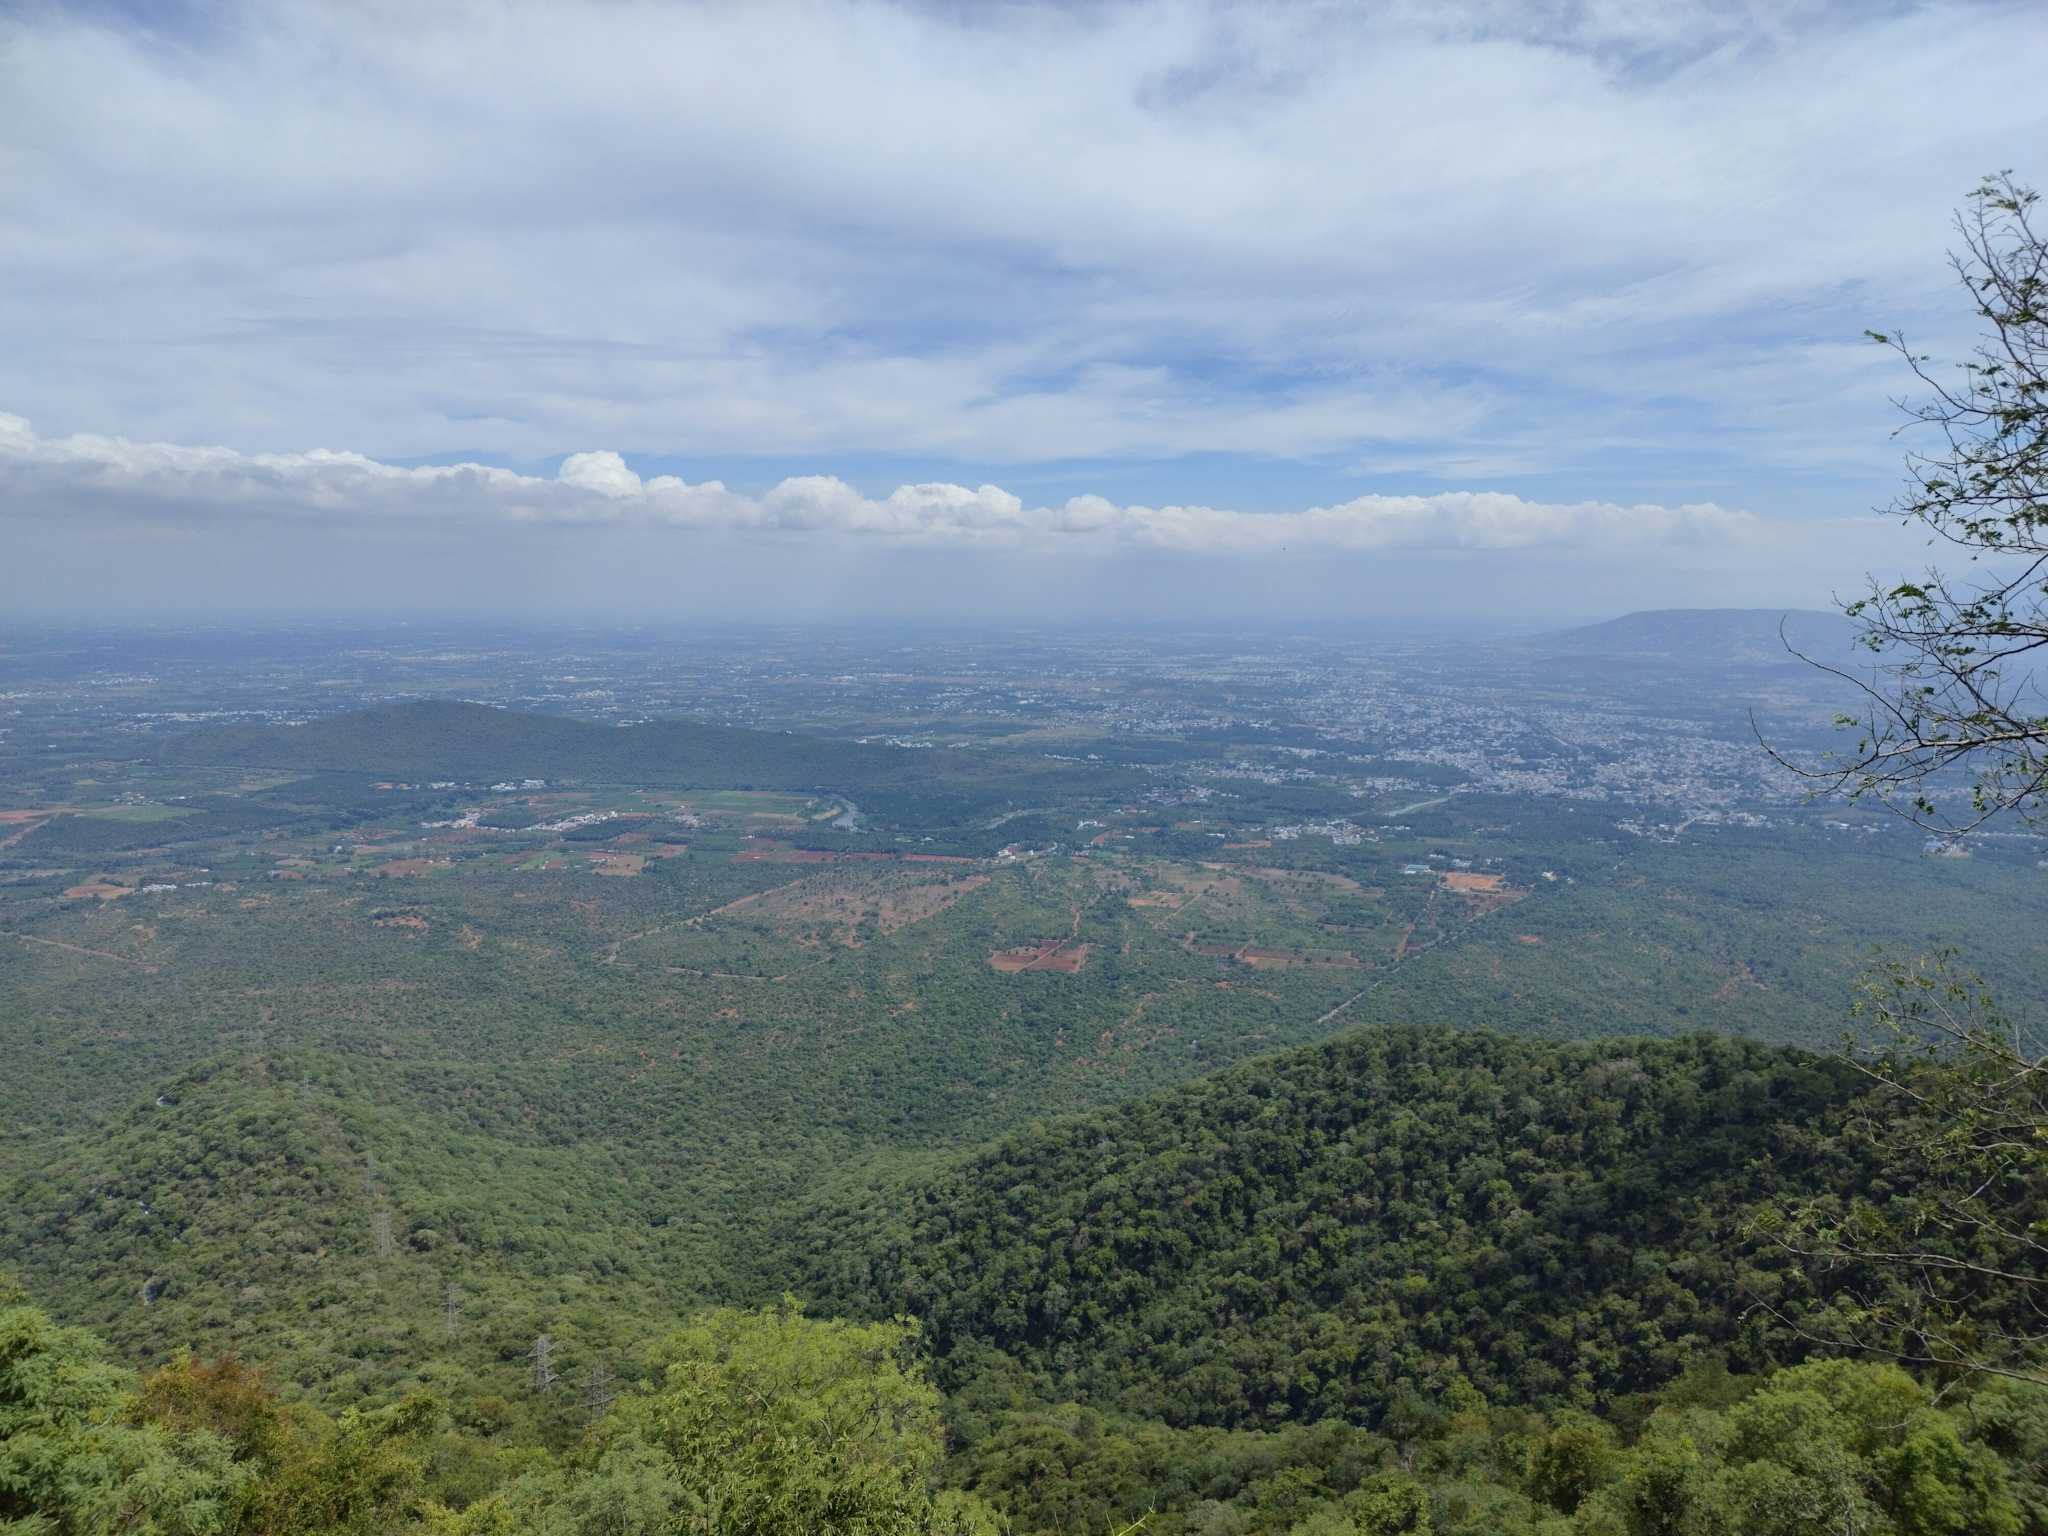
(1520, 311)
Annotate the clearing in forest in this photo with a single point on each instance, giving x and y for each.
(1183, 885)
(1482, 893)
(845, 901)
(1281, 959)
(1062, 955)
(105, 890)
(762, 851)
(1328, 879)
(1466, 882)
(768, 850)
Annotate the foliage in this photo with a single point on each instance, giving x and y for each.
(1325, 1234)
(72, 1462)
(768, 1423)
(762, 1424)
(758, 1424)
(1959, 654)
(1826, 1446)
(1959, 1123)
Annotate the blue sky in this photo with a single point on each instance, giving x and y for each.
(1207, 283)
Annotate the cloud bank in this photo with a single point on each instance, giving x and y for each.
(1624, 249)
(90, 477)
(1164, 286)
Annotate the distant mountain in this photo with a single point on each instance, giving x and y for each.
(446, 738)
(1713, 635)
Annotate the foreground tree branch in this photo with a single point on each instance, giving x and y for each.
(1952, 728)
(1949, 1269)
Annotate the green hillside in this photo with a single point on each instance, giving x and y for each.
(1305, 1237)
(1406, 1281)
(316, 1214)
(1318, 1235)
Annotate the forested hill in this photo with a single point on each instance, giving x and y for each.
(1314, 1235)
(445, 738)
(1370, 1287)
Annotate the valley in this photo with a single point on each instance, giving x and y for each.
(372, 1050)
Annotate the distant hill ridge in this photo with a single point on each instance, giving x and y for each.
(448, 738)
(1712, 634)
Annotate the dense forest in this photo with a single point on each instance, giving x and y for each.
(1412, 1280)
(1325, 1235)
(771, 1421)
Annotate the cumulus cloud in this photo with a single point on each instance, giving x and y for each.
(81, 477)
(603, 472)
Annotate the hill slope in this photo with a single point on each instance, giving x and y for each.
(1258, 1305)
(1309, 1236)
(313, 1211)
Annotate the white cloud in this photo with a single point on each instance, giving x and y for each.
(603, 472)
(85, 478)
(993, 235)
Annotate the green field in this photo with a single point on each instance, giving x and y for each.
(137, 814)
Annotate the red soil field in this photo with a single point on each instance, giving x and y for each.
(1466, 881)
(105, 890)
(1060, 955)
(763, 851)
